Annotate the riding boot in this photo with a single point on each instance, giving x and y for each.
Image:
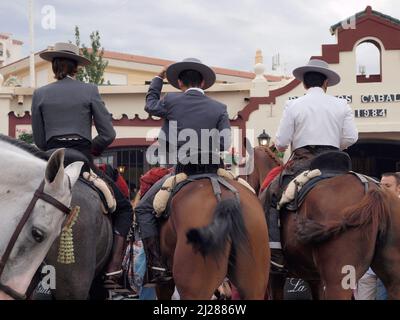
(277, 258)
(114, 268)
(156, 270)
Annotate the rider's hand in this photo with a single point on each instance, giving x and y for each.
(163, 72)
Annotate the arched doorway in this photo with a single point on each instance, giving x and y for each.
(375, 156)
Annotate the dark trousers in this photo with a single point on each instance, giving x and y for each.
(299, 161)
(83, 145)
(302, 157)
(144, 211)
(122, 218)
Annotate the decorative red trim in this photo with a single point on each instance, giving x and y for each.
(367, 26)
(130, 142)
(371, 78)
(13, 121)
(136, 122)
(254, 103)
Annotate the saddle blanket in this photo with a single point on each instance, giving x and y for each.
(101, 185)
(295, 186)
(161, 199)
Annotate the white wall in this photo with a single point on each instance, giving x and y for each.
(115, 78)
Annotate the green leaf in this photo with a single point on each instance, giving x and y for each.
(94, 72)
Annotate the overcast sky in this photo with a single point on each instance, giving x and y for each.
(223, 33)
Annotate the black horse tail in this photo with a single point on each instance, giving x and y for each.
(373, 209)
(227, 226)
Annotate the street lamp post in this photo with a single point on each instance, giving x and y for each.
(264, 139)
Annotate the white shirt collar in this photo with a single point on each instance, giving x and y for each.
(315, 90)
(68, 76)
(197, 89)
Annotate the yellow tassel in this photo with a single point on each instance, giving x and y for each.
(66, 249)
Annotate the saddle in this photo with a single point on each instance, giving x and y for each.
(90, 178)
(325, 166)
(70, 156)
(187, 173)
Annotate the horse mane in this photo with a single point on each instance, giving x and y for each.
(30, 148)
(270, 154)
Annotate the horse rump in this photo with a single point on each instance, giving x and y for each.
(373, 209)
(227, 226)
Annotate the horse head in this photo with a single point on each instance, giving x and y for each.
(23, 175)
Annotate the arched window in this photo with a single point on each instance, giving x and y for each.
(369, 62)
(2, 53)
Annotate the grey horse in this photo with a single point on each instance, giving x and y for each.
(93, 237)
(93, 234)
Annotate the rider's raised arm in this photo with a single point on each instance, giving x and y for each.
(349, 132)
(284, 135)
(154, 105)
(103, 123)
(39, 136)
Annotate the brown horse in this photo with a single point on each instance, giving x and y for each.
(339, 232)
(205, 241)
(261, 166)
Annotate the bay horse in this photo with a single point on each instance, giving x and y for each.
(21, 175)
(339, 232)
(205, 241)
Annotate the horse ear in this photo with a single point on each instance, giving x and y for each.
(73, 171)
(55, 168)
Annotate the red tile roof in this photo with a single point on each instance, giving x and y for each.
(162, 62)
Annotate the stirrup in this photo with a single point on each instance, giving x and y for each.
(150, 283)
(159, 269)
(277, 268)
(114, 273)
(110, 283)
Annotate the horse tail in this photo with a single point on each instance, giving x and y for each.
(372, 210)
(227, 226)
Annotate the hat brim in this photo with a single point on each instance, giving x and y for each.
(50, 55)
(175, 69)
(332, 76)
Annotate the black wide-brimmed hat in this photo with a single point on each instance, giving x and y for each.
(65, 50)
(175, 69)
(320, 66)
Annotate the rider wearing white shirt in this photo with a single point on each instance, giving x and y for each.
(310, 125)
(316, 119)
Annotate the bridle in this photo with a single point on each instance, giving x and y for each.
(39, 194)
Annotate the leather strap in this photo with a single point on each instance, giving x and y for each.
(19, 227)
(365, 180)
(54, 202)
(39, 194)
(230, 187)
(216, 188)
(12, 293)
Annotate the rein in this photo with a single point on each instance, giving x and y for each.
(270, 154)
(39, 194)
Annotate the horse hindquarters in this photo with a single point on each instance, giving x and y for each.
(343, 246)
(386, 262)
(200, 269)
(251, 267)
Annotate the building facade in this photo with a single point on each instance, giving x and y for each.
(254, 102)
